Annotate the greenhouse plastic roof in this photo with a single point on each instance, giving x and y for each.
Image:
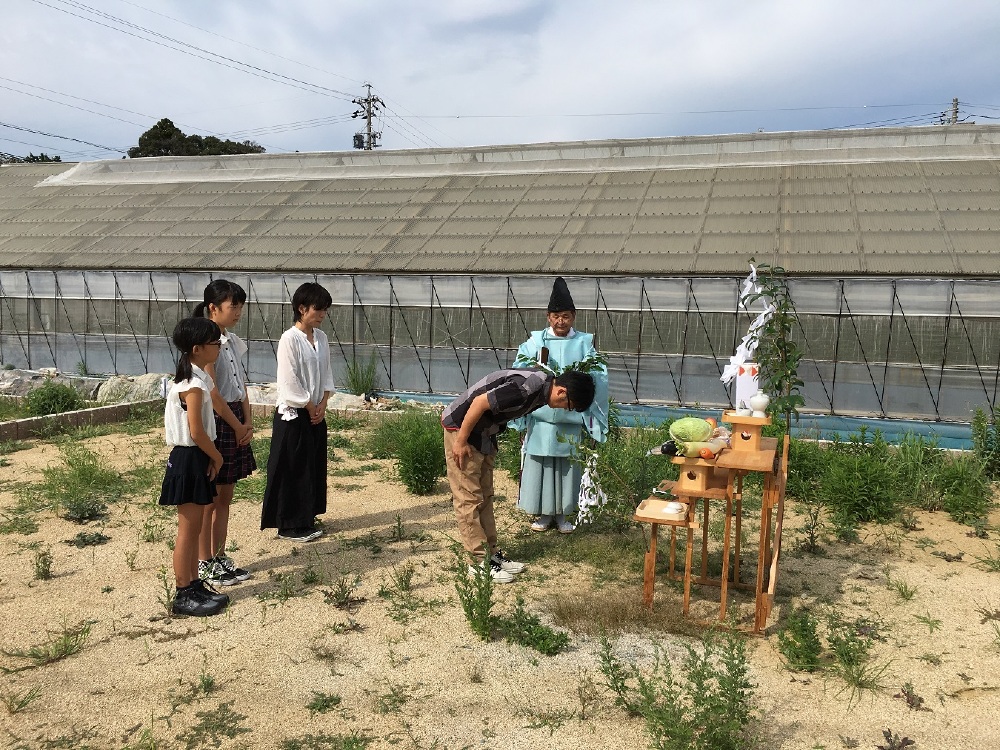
(907, 201)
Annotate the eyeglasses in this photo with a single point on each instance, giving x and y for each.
(214, 343)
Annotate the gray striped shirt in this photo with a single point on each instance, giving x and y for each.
(511, 394)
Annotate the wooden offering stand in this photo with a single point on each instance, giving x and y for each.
(721, 479)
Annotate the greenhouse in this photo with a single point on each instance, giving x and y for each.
(440, 261)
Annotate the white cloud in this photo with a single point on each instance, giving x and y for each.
(533, 62)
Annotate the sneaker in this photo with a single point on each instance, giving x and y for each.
(498, 574)
(213, 572)
(205, 591)
(227, 562)
(542, 523)
(300, 535)
(564, 526)
(190, 601)
(505, 563)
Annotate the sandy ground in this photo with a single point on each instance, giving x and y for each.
(428, 682)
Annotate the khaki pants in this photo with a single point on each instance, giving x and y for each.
(472, 496)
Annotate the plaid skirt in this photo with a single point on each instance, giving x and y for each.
(237, 460)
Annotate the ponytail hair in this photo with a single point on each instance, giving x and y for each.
(216, 293)
(189, 333)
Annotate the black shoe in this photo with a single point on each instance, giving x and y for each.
(191, 601)
(300, 535)
(206, 591)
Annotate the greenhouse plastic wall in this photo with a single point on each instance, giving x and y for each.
(897, 348)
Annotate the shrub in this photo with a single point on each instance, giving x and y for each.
(82, 487)
(859, 484)
(986, 441)
(806, 462)
(964, 489)
(475, 592)
(526, 629)
(626, 474)
(394, 430)
(799, 642)
(710, 707)
(509, 453)
(52, 398)
(420, 453)
(362, 377)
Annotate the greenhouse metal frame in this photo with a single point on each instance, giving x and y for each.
(915, 348)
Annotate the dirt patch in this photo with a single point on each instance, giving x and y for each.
(414, 676)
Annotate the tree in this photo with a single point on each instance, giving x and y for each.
(166, 139)
(42, 157)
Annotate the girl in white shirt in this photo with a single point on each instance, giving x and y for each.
(296, 467)
(194, 462)
(223, 304)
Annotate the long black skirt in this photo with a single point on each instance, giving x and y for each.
(296, 474)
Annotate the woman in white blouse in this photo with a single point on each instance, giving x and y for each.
(296, 468)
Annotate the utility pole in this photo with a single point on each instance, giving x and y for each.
(369, 107)
(954, 111)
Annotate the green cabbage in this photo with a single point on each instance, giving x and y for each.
(690, 429)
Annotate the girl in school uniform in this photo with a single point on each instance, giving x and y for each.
(194, 462)
(223, 305)
(296, 467)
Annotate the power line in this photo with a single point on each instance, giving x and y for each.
(88, 154)
(64, 137)
(71, 106)
(213, 57)
(412, 129)
(91, 101)
(242, 44)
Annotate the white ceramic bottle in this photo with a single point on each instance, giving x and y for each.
(759, 402)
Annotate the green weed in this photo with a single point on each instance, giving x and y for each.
(932, 623)
(43, 564)
(798, 641)
(325, 741)
(710, 706)
(903, 590)
(986, 441)
(861, 677)
(81, 487)
(362, 377)
(391, 701)
(626, 474)
(213, 726)
(166, 592)
(322, 702)
(475, 592)
(341, 595)
(17, 701)
(909, 695)
(60, 645)
(990, 561)
(88, 539)
(526, 629)
(894, 742)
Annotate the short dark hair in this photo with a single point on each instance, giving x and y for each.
(312, 295)
(579, 388)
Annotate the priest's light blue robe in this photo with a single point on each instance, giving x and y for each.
(550, 479)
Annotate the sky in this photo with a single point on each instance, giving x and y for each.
(457, 73)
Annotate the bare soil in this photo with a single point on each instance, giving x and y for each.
(409, 672)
